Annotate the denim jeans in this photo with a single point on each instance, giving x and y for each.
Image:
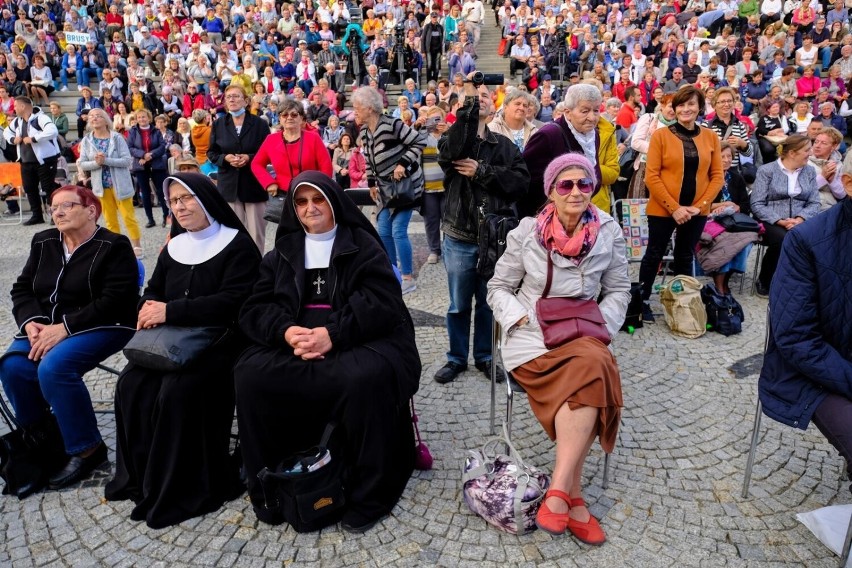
(144, 178)
(464, 283)
(63, 76)
(56, 382)
(393, 230)
(432, 211)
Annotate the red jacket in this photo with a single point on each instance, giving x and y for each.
(619, 88)
(288, 161)
(190, 104)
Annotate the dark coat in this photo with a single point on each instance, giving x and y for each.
(237, 184)
(808, 354)
(501, 179)
(97, 288)
(159, 152)
(367, 307)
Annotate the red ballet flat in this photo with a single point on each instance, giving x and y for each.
(547, 520)
(589, 532)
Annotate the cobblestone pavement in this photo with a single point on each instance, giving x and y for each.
(673, 498)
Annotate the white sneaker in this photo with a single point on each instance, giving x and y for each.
(433, 258)
(409, 285)
(64, 89)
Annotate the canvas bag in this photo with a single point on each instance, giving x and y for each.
(501, 488)
(683, 308)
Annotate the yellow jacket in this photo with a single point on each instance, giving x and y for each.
(608, 162)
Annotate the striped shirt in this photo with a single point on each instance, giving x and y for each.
(392, 143)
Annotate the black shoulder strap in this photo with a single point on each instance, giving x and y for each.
(546, 290)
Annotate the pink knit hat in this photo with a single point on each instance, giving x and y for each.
(562, 163)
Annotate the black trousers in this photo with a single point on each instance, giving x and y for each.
(833, 417)
(434, 59)
(660, 231)
(772, 239)
(35, 175)
(432, 211)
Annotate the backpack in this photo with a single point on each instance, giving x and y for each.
(724, 312)
(684, 311)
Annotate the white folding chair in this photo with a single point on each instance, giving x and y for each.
(755, 437)
(513, 387)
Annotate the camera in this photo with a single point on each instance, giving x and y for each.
(480, 78)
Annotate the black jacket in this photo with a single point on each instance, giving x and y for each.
(97, 288)
(501, 179)
(319, 113)
(237, 184)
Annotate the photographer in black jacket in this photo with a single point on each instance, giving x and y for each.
(484, 172)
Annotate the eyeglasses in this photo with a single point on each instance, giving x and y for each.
(566, 186)
(291, 114)
(234, 97)
(65, 206)
(303, 201)
(725, 102)
(184, 200)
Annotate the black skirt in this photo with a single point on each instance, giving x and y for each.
(173, 436)
(284, 404)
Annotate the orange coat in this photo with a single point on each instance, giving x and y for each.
(664, 171)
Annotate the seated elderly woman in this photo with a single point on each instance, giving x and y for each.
(74, 306)
(785, 194)
(173, 427)
(332, 341)
(571, 249)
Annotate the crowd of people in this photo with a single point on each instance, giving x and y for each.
(683, 105)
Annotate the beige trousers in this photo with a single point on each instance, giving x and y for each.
(251, 215)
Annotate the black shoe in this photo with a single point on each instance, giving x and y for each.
(164, 222)
(78, 468)
(647, 314)
(150, 224)
(761, 290)
(34, 220)
(449, 372)
(485, 367)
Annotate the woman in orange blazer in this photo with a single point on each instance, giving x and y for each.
(683, 175)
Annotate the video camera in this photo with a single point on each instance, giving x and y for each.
(480, 78)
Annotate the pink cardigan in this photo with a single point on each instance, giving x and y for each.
(288, 161)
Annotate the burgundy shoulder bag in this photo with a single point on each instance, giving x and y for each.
(566, 319)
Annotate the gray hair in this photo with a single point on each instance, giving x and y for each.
(370, 98)
(575, 94)
(512, 94)
(613, 102)
(534, 103)
(106, 118)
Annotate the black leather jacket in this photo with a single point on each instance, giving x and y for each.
(501, 179)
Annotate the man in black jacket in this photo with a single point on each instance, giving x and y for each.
(484, 173)
(431, 42)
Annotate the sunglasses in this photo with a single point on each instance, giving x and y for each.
(303, 201)
(566, 186)
(291, 114)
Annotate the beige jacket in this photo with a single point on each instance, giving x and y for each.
(499, 126)
(603, 272)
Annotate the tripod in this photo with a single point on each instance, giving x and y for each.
(399, 58)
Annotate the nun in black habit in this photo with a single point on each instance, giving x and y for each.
(173, 428)
(332, 341)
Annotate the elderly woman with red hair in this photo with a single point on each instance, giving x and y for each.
(74, 305)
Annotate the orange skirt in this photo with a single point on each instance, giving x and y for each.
(582, 372)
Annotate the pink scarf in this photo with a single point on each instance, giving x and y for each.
(552, 235)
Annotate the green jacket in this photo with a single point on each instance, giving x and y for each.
(61, 123)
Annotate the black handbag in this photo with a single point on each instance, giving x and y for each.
(494, 229)
(400, 194)
(724, 313)
(29, 457)
(171, 347)
(738, 223)
(274, 208)
(306, 490)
